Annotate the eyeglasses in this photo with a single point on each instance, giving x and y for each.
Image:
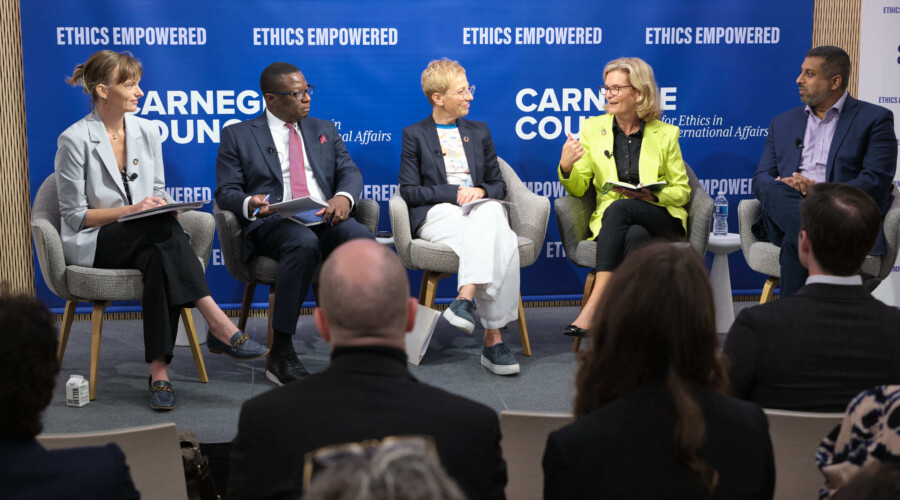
(318, 460)
(296, 95)
(614, 90)
(462, 93)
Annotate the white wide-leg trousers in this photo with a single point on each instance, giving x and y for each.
(488, 253)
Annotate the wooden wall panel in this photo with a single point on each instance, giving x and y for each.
(16, 264)
(836, 22)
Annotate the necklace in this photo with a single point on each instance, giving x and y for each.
(114, 135)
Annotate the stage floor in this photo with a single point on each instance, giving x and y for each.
(211, 410)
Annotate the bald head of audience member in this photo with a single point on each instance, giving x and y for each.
(364, 297)
(839, 227)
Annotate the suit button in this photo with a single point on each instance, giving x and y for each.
(277, 198)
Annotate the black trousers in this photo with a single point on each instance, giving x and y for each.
(173, 275)
(298, 250)
(628, 224)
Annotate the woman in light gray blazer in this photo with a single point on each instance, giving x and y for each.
(109, 164)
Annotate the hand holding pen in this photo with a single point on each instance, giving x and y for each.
(260, 205)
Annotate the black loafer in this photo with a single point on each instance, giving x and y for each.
(239, 347)
(162, 395)
(574, 331)
(285, 368)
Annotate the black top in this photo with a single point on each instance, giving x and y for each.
(623, 450)
(366, 393)
(627, 153)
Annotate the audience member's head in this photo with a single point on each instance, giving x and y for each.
(385, 472)
(105, 67)
(438, 76)
(876, 481)
(364, 297)
(28, 365)
(839, 227)
(658, 323)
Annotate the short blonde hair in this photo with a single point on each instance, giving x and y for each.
(105, 67)
(438, 75)
(640, 75)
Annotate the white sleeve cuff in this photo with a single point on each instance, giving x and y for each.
(348, 196)
(246, 211)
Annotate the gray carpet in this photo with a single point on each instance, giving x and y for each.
(211, 410)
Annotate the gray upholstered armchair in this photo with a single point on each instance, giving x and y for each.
(762, 256)
(573, 214)
(77, 284)
(261, 270)
(528, 215)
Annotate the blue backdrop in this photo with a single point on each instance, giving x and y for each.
(724, 68)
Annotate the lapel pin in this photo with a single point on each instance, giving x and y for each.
(322, 139)
(135, 162)
(602, 131)
(466, 139)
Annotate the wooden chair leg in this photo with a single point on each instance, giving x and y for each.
(191, 332)
(65, 328)
(96, 330)
(523, 329)
(768, 291)
(245, 305)
(588, 288)
(428, 290)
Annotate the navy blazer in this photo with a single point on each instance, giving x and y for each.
(247, 164)
(863, 151)
(423, 175)
(30, 472)
(814, 350)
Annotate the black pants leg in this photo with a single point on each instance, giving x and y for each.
(780, 217)
(299, 250)
(628, 224)
(173, 276)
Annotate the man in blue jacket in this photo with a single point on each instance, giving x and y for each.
(833, 138)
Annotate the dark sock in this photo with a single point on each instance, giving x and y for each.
(282, 343)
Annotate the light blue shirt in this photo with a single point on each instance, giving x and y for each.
(817, 140)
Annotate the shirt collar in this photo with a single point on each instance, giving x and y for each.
(828, 279)
(274, 121)
(838, 106)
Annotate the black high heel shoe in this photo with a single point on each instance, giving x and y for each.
(574, 331)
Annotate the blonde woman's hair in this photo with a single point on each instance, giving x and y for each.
(105, 67)
(438, 75)
(640, 76)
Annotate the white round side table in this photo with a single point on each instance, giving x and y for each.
(720, 278)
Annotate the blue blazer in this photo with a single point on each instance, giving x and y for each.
(87, 176)
(423, 175)
(863, 151)
(247, 164)
(30, 472)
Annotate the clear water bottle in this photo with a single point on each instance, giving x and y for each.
(720, 215)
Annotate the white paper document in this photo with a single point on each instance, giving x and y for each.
(417, 340)
(298, 205)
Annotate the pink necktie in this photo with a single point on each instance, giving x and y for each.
(295, 156)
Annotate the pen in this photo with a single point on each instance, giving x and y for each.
(257, 208)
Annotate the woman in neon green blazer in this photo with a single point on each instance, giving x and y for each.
(628, 144)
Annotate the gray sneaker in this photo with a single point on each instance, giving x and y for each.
(499, 360)
(461, 314)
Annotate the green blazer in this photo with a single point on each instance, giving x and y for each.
(660, 160)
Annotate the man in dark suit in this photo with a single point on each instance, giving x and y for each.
(366, 393)
(281, 155)
(815, 350)
(834, 138)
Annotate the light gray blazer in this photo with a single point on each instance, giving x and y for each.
(87, 177)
